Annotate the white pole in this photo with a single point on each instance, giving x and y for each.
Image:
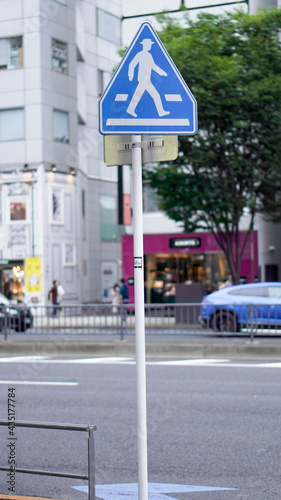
(139, 317)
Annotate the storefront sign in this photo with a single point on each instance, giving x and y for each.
(33, 274)
(185, 243)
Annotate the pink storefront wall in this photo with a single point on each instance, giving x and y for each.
(159, 243)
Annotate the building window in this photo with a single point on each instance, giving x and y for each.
(57, 206)
(69, 254)
(60, 126)
(108, 218)
(59, 56)
(108, 26)
(150, 200)
(12, 124)
(104, 78)
(11, 53)
(83, 203)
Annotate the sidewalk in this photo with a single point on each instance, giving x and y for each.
(233, 348)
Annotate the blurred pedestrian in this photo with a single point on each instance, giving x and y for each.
(116, 298)
(53, 297)
(61, 293)
(124, 292)
(227, 283)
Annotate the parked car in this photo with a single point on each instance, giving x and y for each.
(234, 307)
(17, 317)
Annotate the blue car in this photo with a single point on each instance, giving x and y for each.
(235, 307)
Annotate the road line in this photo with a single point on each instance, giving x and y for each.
(80, 361)
(116, 360)
(35, 382)
(21, 497)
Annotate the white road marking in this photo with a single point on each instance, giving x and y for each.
(22, 359)
(80, 361)
(116, 360)
(34, 382)
(156, 491)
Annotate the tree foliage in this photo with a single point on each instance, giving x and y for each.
(231, 167)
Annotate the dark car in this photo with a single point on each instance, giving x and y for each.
(235, 307)
(16, 317)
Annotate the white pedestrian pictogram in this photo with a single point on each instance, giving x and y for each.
(147, 94)
(146, 64)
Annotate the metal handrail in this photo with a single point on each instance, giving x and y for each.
(91, 451)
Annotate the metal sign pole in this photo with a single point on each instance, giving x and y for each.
(139, 317)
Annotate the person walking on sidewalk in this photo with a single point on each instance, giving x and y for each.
(61, 293)
(124, 292)
(53, 297)
(116, 298)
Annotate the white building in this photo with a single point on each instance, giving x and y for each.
(57, 199)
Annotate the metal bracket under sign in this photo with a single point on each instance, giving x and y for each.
(118, 149)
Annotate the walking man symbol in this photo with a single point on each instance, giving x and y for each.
(146, 64)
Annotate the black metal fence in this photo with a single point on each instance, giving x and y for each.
(90, 477)
(119, 321)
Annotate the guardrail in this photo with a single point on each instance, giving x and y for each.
(91, 452)
(164, 319)
(95, 319)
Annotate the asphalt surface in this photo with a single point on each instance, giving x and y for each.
(212, 424)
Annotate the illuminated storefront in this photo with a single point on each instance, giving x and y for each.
(187, 259)
(12, 279)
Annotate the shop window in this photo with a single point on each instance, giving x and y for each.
(59, 56)
(60, 126)
(13, 282)
(108, 26)
(164, 271)
(12, 124)
(11, 53)
(108, 218)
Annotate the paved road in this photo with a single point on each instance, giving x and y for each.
(211, 423)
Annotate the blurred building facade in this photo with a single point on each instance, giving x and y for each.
(173, 257)
(58, 202)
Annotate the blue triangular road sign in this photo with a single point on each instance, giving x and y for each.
(147, 94)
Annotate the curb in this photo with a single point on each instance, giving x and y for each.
(218, 348)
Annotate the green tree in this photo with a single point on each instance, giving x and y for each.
(231, 167)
